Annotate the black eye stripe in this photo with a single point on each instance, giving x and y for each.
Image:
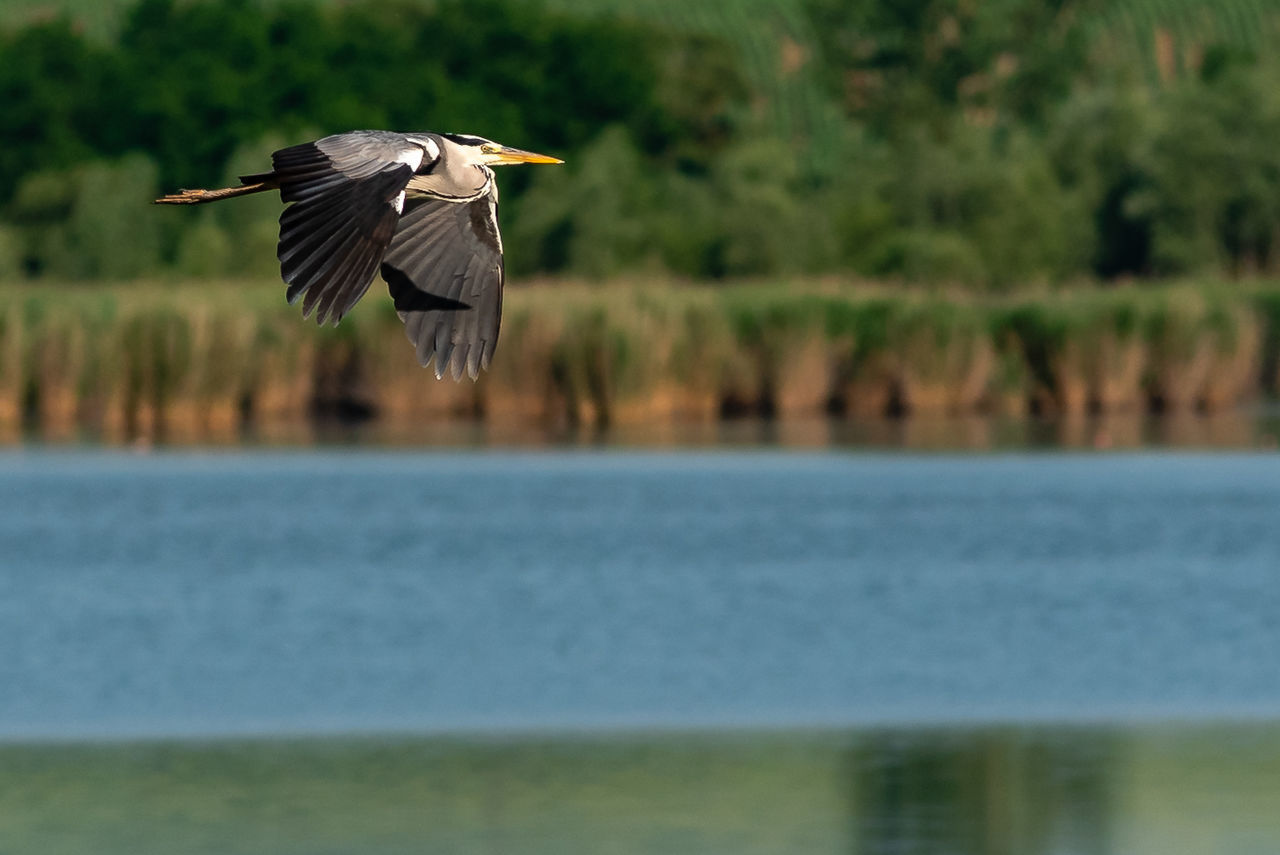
(467, 139)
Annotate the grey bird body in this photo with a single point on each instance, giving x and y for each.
(420, 209)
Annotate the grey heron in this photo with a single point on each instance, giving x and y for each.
(421, 209)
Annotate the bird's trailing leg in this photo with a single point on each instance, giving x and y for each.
(195, 197)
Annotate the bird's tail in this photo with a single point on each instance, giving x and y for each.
(196, 197)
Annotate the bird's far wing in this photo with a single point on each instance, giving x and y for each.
(347, 193)
(444, 272)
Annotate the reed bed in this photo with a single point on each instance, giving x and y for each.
(213, 359)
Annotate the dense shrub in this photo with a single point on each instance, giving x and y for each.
(990, 145)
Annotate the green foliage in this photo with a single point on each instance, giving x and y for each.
(588, 217)
(204, 249)
(55, 88)
(1167, 40)
(10, 254)
(991, 145)
(765, 46)
(607, 212)
(892, 63)
(1094, 146)
(764, 222)
(973, 206)
(1214, 176)
(91, 221)
(189, 82)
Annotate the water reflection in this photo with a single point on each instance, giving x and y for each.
(1242, 428)
(984, 792)
(990, 791)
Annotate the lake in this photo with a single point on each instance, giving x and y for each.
(699, 651)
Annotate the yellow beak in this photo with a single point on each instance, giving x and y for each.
(515, 155)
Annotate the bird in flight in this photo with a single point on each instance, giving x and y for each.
(421, 209)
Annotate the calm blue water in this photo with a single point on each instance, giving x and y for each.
(282, 593)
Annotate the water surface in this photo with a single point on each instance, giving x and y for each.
(189, 593)
(754, 651)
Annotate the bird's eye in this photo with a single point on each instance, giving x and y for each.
(489, 149)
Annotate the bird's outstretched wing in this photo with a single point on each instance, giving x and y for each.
(444, 272)
(347, 193)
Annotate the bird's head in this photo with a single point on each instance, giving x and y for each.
(479, 150)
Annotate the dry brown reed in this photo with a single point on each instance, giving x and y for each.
(1108, 357)
(1206, 352)
(207, 361)
(943, 358)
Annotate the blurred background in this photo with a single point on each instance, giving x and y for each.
(877, 457)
